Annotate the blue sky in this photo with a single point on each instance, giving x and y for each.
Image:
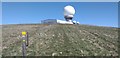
(91, 13)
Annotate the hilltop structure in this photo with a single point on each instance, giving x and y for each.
(69, 12)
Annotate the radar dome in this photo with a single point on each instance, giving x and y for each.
(69, 10)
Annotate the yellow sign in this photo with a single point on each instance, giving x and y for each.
(24, 33)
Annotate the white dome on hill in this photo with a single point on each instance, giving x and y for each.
(69, 10)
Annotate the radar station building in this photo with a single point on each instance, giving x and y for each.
(55, 21)
(69, 12)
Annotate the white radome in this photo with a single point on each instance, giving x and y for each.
(69, 10)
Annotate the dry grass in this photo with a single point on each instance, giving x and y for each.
(61, 40)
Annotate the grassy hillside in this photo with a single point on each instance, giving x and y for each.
(60, 40)
(0, 41)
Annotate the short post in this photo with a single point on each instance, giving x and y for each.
(24, 41)
(27, 39)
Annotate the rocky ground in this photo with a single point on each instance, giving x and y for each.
(60, 40)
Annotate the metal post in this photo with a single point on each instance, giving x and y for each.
(24, 49)
(27, 39)
(24, 40)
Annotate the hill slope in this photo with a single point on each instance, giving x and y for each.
(61, 40)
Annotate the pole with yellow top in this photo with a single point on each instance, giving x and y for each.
(24, 38)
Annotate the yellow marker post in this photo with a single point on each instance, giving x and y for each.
(24, 43)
